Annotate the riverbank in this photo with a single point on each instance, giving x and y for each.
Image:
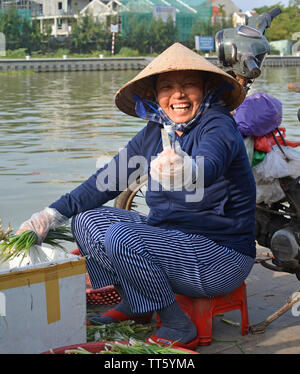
(111, 63)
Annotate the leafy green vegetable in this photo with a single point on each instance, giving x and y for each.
(118, 331)
(15, 245)
(134, 347)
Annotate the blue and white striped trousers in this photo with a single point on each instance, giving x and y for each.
(151, 263)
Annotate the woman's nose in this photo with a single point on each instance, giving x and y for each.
(179, 91)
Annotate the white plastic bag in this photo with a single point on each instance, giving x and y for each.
(37, 255)
(249, 144)
(275, 165)
(269, 193)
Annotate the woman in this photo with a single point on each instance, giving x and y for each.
(198, 239)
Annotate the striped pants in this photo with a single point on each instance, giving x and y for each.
(151, 263)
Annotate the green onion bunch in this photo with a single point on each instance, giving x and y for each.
(137, 347)
(60, 234)
(118, 331)
(14, 245)
(134, 347)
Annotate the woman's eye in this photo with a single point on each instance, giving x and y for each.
(165, 87)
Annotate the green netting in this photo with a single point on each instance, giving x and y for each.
(188, 12)
(23, 13)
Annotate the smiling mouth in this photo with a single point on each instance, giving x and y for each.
(179, 108)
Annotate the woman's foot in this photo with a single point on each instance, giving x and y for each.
(182, 335)
(176, 325)
(122, 312)
(115, 316)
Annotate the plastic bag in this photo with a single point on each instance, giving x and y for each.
(275, 165)
(266, 142)
(269, 193)
(249, 144)
(259, 114)
(258, 157)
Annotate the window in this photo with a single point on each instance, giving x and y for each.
(59, 23)
(59, 5)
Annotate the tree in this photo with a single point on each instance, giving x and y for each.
(145, 36)
(284, 25)
(135, 33)
(10, 26)
(21, 32)
(89, 35)
(162, 34)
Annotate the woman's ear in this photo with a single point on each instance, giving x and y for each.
(150, 94)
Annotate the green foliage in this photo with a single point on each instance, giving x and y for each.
(21, 33)
(161, 35)
(128, 52)
(10, 23)
(89, 35)
(16, 53)
(284, 25)
(148, 39)
(136, 34)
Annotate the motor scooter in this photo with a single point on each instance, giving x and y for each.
(241, 52)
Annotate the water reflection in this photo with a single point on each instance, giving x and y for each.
(57, 128)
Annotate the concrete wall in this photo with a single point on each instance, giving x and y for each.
(74, 64)
(113, 63)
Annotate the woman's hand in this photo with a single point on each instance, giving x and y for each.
(173, 169)
(42, 222)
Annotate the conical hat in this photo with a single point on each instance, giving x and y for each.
(176, 57)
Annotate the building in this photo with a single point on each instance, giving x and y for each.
(240, 18)
(101, 10)
(59, 14)
(223, 9)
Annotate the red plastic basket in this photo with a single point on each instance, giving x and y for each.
(101, 296)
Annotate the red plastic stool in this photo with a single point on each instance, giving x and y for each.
(202, 310)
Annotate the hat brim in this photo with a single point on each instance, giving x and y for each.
(143, 84)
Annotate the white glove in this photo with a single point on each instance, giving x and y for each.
(42, 222)
(174, 169)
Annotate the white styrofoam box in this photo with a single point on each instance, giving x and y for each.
(42, 304)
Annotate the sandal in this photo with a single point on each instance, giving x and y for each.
(119, 317)
(193, 344)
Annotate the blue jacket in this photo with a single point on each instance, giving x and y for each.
(226, 214)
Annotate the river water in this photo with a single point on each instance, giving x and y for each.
(56, 129)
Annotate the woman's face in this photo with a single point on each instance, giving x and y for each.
(180, 93)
